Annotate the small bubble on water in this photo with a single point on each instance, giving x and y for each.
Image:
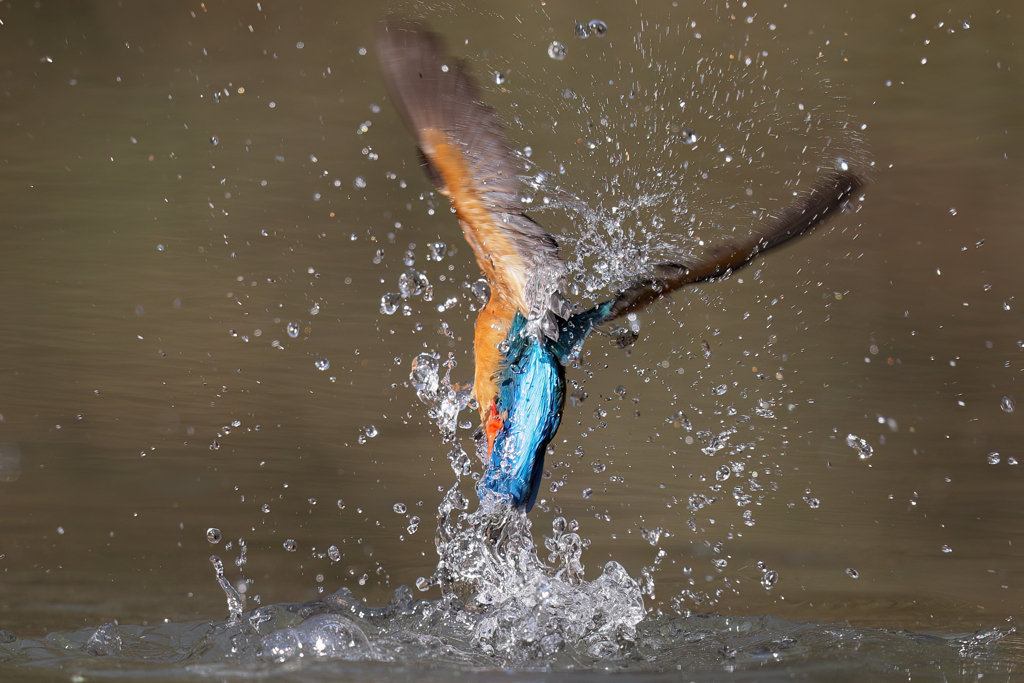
(1008, 404)
(213, 535)
(400, 508)
(556, 51)
(293, 330)
(322, 364)
(598, 27)
(290, 545)
(852, 573)
(993, 458)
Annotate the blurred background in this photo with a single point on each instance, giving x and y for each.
(202, 206)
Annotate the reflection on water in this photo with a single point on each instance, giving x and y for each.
(220, 259)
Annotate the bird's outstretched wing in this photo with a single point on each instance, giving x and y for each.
(466, 155)
(826, 197)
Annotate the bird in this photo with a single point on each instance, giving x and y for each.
(527, 331)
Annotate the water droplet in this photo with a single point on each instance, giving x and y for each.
(334, 553)
(359, 183)
(582, 31)
(707, 349)
(213, 535)
(863, 448)
(400, 508)
(214, 140)
(1008, 404)
(389, 303)
(852, 573)
(598, 27)
(556, 51)
(370, 431)
(437, 250)
(290, 545)
(688, 136)
(587, 493)
(315, 309)
(293, 330)
(946, 549)
(679, 419)
(577, 397)
(322, 364)
(723, 473)
(993, 458)
(498, 78)
(952, 211)
(770, 578)
(720, 389)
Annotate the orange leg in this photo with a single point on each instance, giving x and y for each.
(494, 425)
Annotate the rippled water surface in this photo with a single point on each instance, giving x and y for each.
(237, 317)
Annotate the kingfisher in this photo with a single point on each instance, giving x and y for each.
(527, 331)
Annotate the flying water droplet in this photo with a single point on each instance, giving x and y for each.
(770, 578)
(688, 136)
(293, 330)
(852, 573)
(556, 51)
(582, 31)
(290, 545)
(322, 364)
(1008, 404)
(389, 303)
(213, 535)
(400, 508)
(334, 553)
(863, 448)
(437, 250)
(598, 27)
(498, 78)
(993, 458)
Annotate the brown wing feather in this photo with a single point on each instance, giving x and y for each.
(827, 197)
(468, 159)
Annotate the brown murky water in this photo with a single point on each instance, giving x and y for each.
(178, 183)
